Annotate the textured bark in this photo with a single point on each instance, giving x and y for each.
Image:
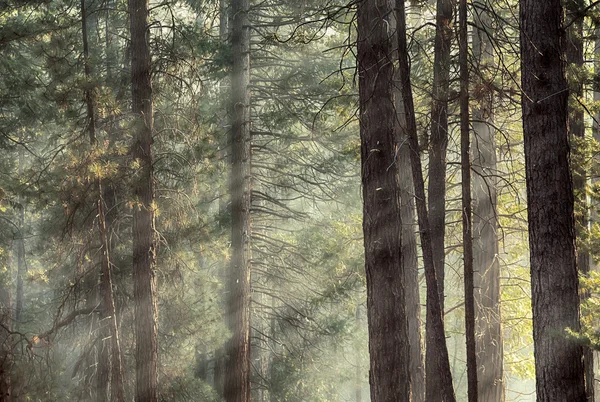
(144, 248)
(439, 362)
(465, 159)
(388, 325)
(554, 281)
(437, 176)
(485, 225)
(237, 374)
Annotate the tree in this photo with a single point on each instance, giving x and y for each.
(467, 222)
(485, 215)
(109, 312)
(440, 364)
(388, 325)
(574, 54)
(438, 143)
(554, 280)
(237, 380)
(144, 248)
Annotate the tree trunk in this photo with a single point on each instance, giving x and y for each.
(439, 361)
(357, 361)
(6, 349)
(410, 265)
(108, 312)
(486, 264)
(574, 51)
(237, 375)
(388, 325)
(20, 245)
(144, 249)
(596, 135)
(558, 360)
(437, 177)
(465, 159)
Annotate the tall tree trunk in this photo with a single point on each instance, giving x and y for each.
(388, 324)
(558, 360)
(486, 264)
(437, 177)
(410, 265)
(574, 51)
(596, 135)
(465, 159)
(144, 248)
(108, 312)
(237, 375)
(440, 361)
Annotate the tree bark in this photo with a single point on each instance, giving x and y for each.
(558, 360)
(387, 321)
(486, 264)
(437, 177)
(439, 361)
(144, 248)
(237, 375)
(465, 159)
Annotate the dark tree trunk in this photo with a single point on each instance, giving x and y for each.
(437, 177)
(465, 159)
(440, 361)
(554, 281)
(237, 374)
(144, 248)
(388, 325)
(485, 225)
(574, 50)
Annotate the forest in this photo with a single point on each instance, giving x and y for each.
(300, 200)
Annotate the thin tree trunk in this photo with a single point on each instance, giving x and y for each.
(440, 361)
(387, 321)
(558, 360)
(574, 51)
(596, 135)
(144, 248)
(6, 349)
(357, 369)
(485, 223)
(237, 374)
(465, 158)
(20, 244)
(437, 177)
(109, 314)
